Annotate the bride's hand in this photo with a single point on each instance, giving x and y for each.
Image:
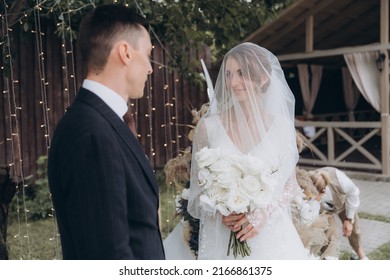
(240, 223)
(231, 220)
(245, 229)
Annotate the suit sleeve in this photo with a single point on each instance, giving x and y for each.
(97, 203)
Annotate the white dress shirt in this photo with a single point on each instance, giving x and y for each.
(351, 192)
(110, 97)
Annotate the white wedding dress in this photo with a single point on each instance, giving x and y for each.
(277, 239)
(250, 117)
(176, 244)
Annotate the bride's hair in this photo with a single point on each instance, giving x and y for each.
(253, 64)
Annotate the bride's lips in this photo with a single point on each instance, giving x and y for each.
(239, 90)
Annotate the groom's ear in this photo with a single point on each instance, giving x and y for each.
(124, 52)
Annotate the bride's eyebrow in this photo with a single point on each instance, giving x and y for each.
(228, 73)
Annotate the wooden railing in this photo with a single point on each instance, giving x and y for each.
(350, 145)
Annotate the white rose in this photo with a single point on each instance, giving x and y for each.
(217, 193)
(229, 178)
(237, 202)
(236, 162)
(221, 207)
(205, 178)
(250, 185)
(207, 156)
(253, 165)
(220, 165)
(264, 196)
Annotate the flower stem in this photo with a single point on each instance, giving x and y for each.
(238, 247)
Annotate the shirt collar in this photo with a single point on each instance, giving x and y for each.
(110, 97)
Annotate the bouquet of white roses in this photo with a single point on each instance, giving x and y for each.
(234, 184)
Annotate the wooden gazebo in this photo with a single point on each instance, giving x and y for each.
(322, 32)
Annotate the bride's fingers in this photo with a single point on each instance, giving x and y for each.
(233, 228)
(244, 231)
(251, 233)
(232, 219)
(242, 223)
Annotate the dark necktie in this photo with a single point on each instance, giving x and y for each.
(129, 120)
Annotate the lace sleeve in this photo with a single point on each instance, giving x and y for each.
(260, 216)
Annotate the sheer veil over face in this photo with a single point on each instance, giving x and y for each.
(250, 92)
(251, 96)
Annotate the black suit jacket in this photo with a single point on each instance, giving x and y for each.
(104, 191)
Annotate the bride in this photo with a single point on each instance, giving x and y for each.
(251, 115)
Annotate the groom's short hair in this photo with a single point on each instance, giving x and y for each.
(103, 27)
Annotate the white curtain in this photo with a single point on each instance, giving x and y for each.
(351, 93)
(366, 76)
(310, 84)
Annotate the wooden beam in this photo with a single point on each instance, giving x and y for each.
(334, 52)
(309, 33)
(384, 87)
(312, 9)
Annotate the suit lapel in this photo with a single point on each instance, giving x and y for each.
(122, 130)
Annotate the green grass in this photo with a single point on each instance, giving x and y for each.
(36, 240)
(42, 246)
(40, 243)
(168, 219)
(381, 253)
(380, 218)
(345, 255)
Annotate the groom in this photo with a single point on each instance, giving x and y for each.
(104, 190)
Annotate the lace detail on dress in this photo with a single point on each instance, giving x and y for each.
(261, 216)
(256, 217)
(211, 236)
(202, 238)
(290, 191)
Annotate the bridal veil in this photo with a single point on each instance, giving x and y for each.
(251, 94)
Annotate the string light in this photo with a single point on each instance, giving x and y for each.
(44, 103)
(170, 102)
(16, 154)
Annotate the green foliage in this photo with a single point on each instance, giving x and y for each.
(36, 197)
(41, 203)
(184, 27)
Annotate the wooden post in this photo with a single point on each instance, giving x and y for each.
(331, 146)
(309, 33)
(384, 88)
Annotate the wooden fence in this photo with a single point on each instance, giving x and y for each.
(42, 80)
(348, 141)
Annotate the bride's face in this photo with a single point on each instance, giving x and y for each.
(236, 82)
